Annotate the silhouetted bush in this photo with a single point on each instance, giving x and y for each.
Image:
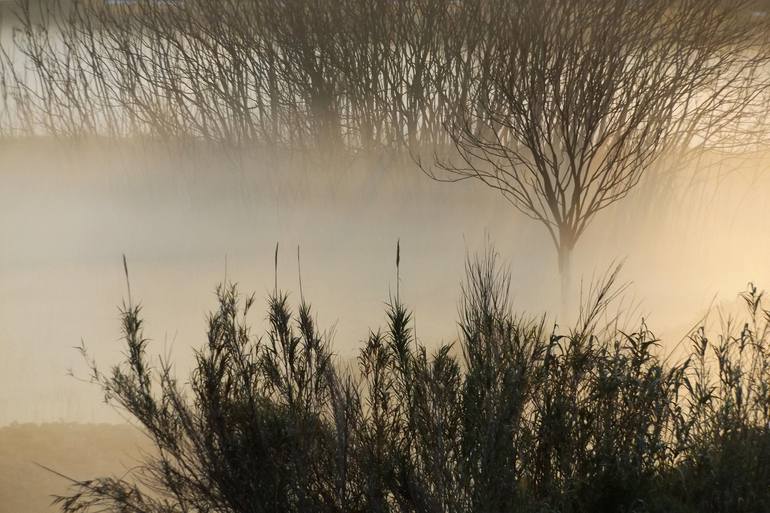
(515, 416)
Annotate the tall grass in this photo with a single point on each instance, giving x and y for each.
(516, 415)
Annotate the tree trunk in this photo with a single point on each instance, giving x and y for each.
(564, 250)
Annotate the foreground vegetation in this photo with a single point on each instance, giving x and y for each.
(514, 416)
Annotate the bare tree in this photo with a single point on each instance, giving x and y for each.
(585, 97)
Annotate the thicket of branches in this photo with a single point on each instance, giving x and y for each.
(364, 74)
(267, 73)
(514, 416)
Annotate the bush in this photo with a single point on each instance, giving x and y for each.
(515, 416)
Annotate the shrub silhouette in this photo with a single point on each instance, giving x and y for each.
(515, 416)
